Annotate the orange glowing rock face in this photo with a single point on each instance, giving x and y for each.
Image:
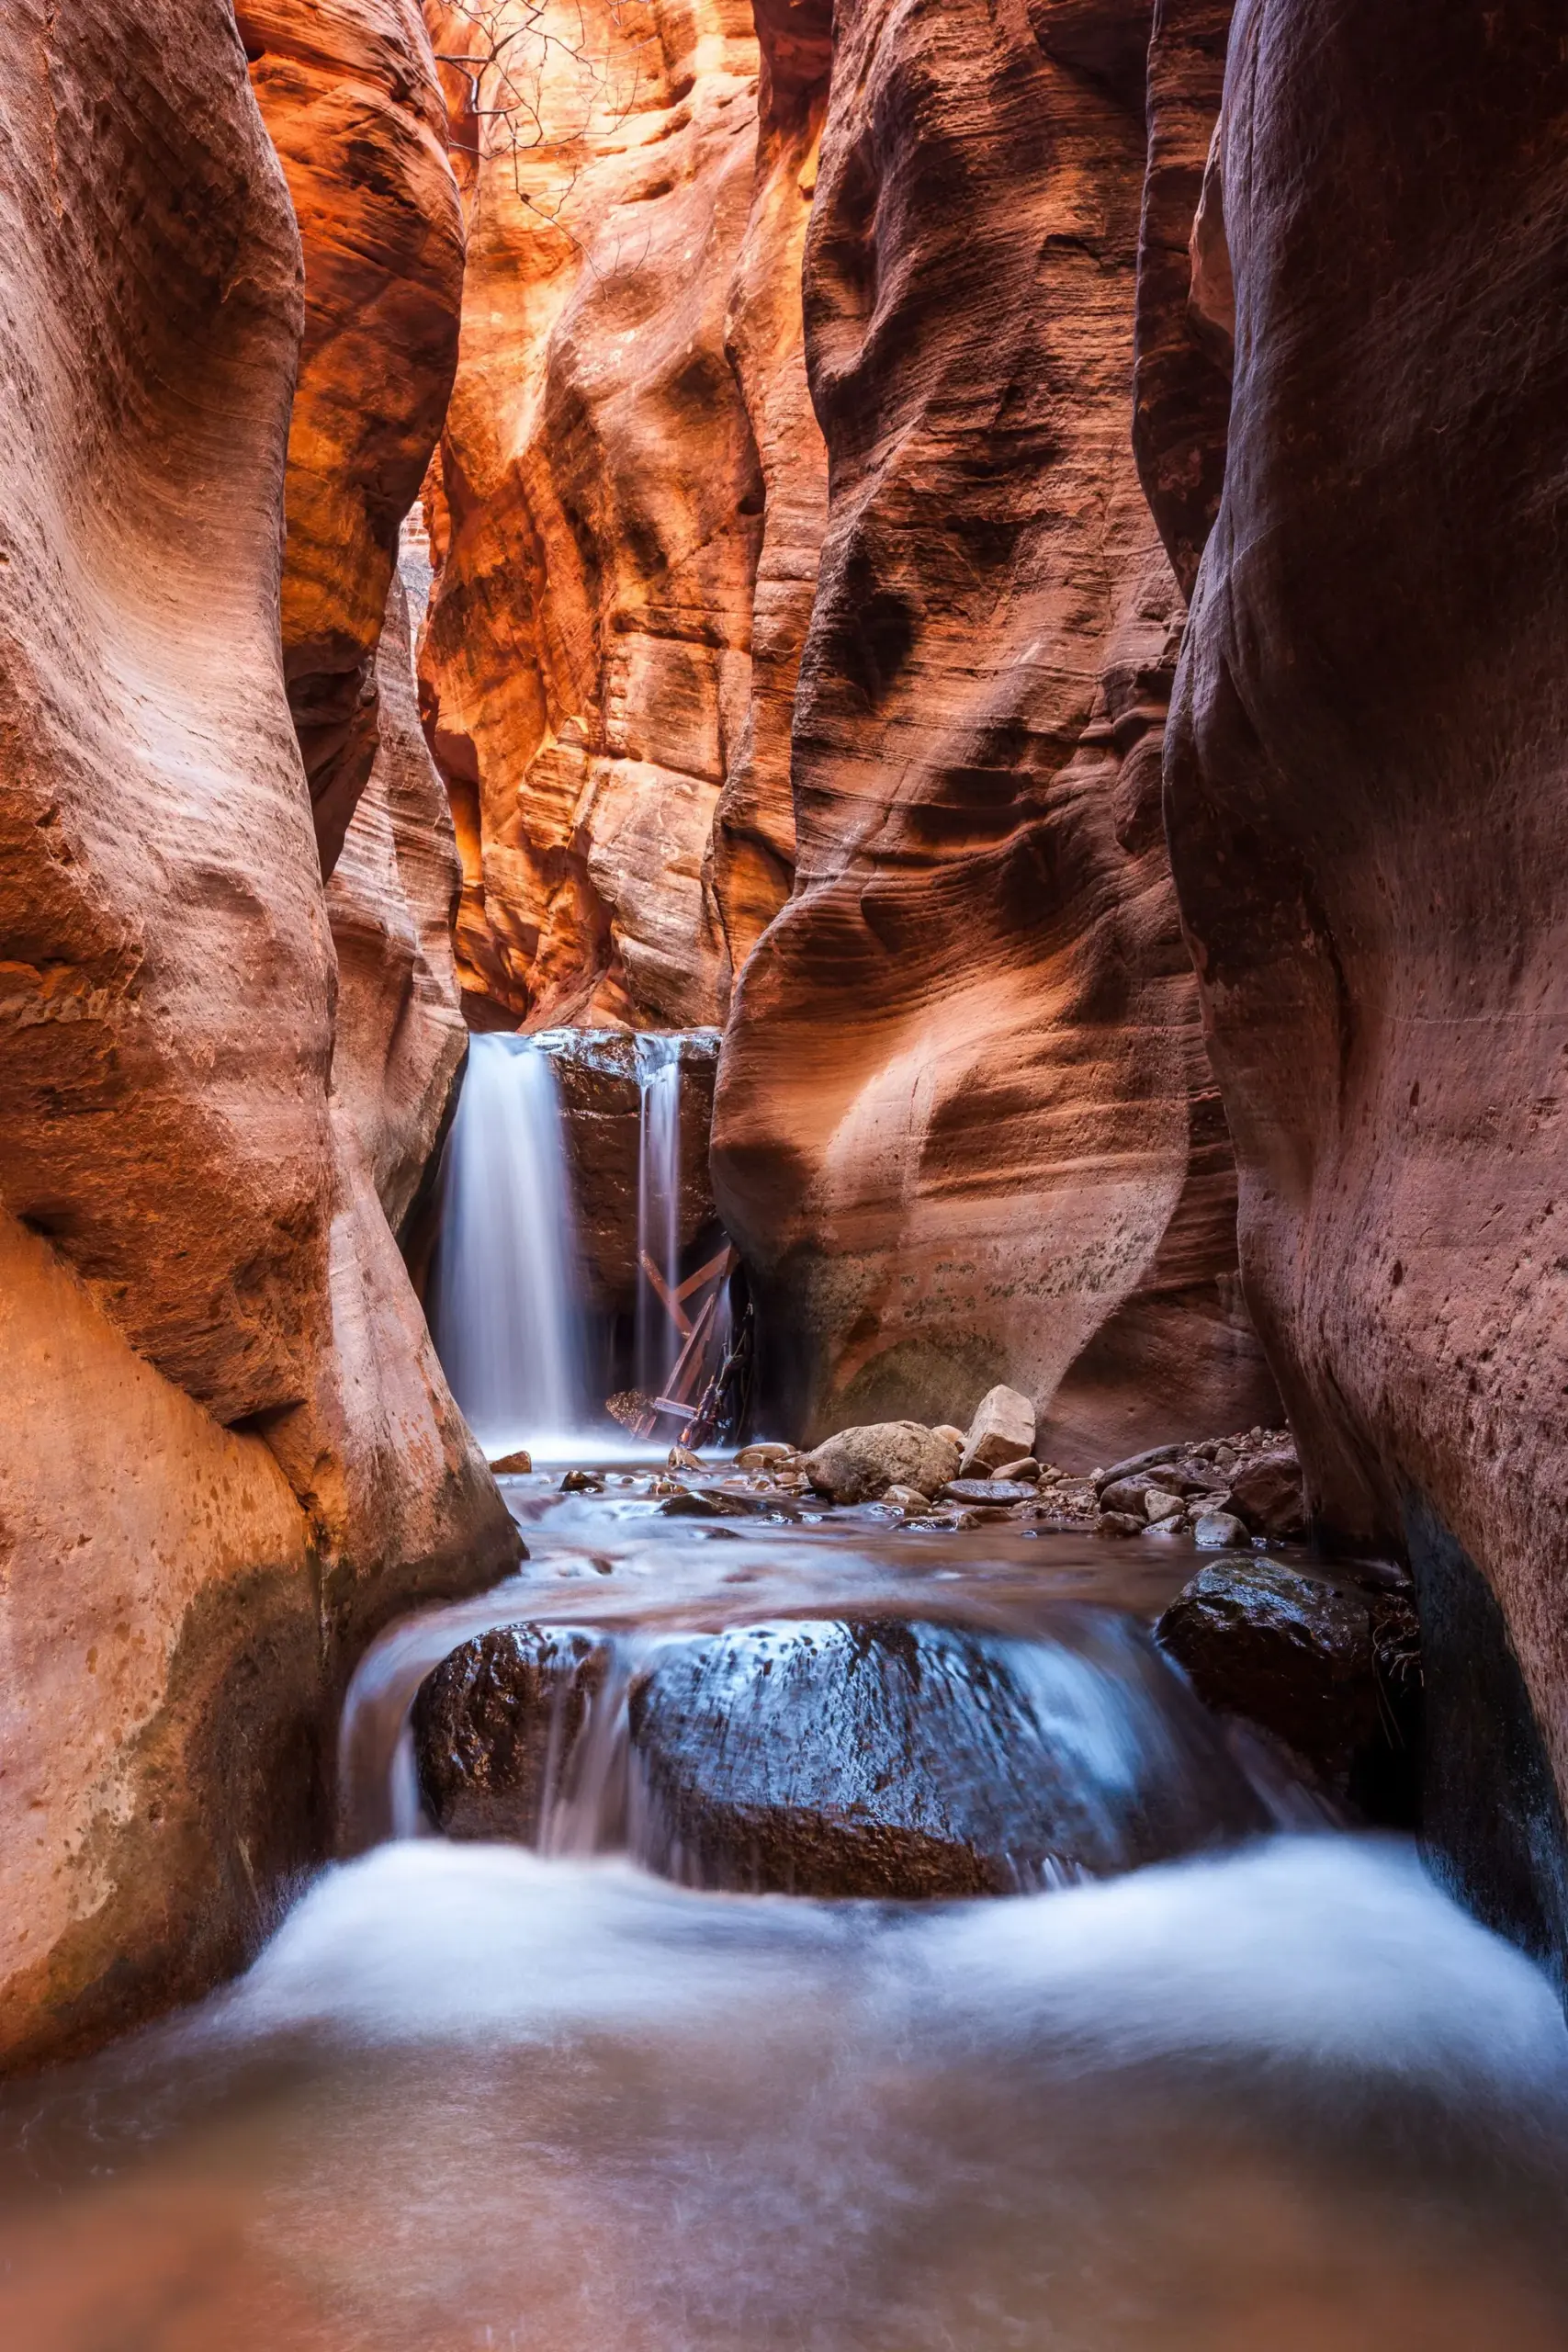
(965, 1127)
(587, 668)
(349, 93)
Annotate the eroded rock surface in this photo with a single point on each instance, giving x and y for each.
(349, 93)
(1365, 779)
(753, 838)
(600, 1109)
(966, 1130)
(588, 664)
(228, 1453)
(885, 1758)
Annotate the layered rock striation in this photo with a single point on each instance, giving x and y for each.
(349, 93)
(599, 509)
(1366, 797)
(227, 1453)
(965, 1129)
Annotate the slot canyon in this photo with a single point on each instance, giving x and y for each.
(779, 1072)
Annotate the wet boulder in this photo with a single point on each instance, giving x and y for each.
(1325, 1669)
(497, 1725)
(859, 1464)
(897, 1759)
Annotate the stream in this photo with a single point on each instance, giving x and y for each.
(1277, 2095)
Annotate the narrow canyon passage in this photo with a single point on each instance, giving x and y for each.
(783, 1356)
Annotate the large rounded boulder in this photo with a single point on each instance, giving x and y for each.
(497, 1727)
(888, 1759)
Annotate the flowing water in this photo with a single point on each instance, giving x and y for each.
(505, 1316)
(657, 1206)
(1280, 2097)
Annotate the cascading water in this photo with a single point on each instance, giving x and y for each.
(657, 1208)
(507, 1325)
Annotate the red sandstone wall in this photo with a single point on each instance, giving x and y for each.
(588, 665)
(349, 93)
(1365, 778)
(965, 1128)
(226, 1452)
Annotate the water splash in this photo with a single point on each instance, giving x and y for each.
(508, 1327)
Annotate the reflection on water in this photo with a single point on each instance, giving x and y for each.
(1287, 2099)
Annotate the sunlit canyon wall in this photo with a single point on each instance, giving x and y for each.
(228, 1452)
(966, 1130)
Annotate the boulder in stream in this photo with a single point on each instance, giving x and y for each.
(496, 1726)
(1002, 1431)
(895, 1760)
(1324, 1668)
(859, 1464)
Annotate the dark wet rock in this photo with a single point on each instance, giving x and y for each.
(1332, 1673)
(582, 1482)
(1270, 1494)
(859, 1464)
(895, 1759)
(705, 1502)
(496, 1725)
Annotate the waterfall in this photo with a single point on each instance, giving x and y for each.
(657, 1207)
(507, 1326)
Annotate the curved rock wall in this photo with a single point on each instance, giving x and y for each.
(349, 93)
(753, 838)
(226, 1451)
(588, 663)
(1366, 779)
(965, 1128)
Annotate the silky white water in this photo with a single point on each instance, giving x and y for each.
(1286, 2098)
(506, 1320)
(656, 1338)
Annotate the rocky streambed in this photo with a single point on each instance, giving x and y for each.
(596, 2038)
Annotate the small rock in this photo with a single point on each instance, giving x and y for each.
(988, 1491)
(953, 1437)
(1148, 1459)
(582, 1482)
(496, 1723)
(1160, 1505)
(1270, 1495)
(763, 1457)
(906, 1499)
(1114, 1525)
(703, 1502)
(1219, 1531)
(1028, 1471)
(665, 1486)
(1125, 1495)
(1302, 1658)
(681, 1457)
(859, 1464)
(1001, 1430)
(514, 1465)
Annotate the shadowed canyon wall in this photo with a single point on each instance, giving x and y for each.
(227, 1453)
(966, 1129)
(349, 93)
(1367, 792)
(598, 513)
